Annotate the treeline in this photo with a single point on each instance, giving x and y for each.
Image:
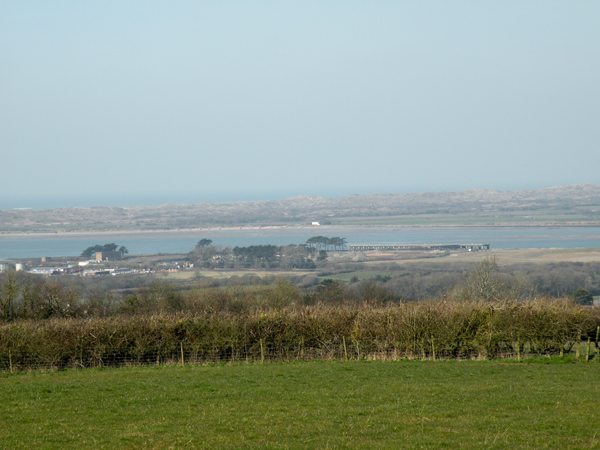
(486, 314)
(33, 297)
(26, 296)
(267, 257)
(327, 243)
(421, 330)
(90, 251)
(432, 280)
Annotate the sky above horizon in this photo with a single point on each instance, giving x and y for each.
(148, 102)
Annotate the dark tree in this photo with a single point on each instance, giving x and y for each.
(583, 297)
(204, 242)
(123, 250)
(323, 242)
(88, 252)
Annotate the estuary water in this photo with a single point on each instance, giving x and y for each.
(182, 242)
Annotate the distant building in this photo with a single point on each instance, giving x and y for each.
(108, 256)
(47, 270)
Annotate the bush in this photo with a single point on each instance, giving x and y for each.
(583, 297)
(409, 330)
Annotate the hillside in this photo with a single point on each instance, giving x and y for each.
(565, 205)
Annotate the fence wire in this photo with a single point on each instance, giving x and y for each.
(260, 352)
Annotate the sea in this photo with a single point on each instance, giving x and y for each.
(65, 245)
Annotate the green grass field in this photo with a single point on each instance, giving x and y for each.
(420, 405)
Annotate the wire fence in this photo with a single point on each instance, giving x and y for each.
(433, 330)
(262, 352)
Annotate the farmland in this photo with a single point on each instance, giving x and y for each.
(405, 404)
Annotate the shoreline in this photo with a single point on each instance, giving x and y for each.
(196, 231)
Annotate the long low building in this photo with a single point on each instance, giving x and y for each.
(466, 247)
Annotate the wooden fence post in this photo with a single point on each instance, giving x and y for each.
(345, 348)
(262, 352)
(587, 351)
(597, 346)
(182, 360)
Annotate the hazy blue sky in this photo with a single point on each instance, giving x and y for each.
(131, 102)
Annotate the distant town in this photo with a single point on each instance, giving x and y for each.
(110, 259)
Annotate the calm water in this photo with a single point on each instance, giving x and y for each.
(498, 238)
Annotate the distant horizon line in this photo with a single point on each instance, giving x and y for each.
(140, 201)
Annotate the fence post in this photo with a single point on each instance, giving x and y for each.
(597, 346)
(345, 349)
(10, 361)
(182, 360)
(433, 347)
(578, 345)
(587, 351)
(262, 352)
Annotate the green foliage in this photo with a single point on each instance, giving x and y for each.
(89, 252)
(256, 253)
(583, 297)
(329, 292)
(254, 256)
(383, 278)
(326, 243)
(204, 242)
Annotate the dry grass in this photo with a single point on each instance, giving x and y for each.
(224, 274)
(505, 257)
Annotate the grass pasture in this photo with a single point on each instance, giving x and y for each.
(404, 404)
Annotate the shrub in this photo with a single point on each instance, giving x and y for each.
(410, 330)
(583, 297)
